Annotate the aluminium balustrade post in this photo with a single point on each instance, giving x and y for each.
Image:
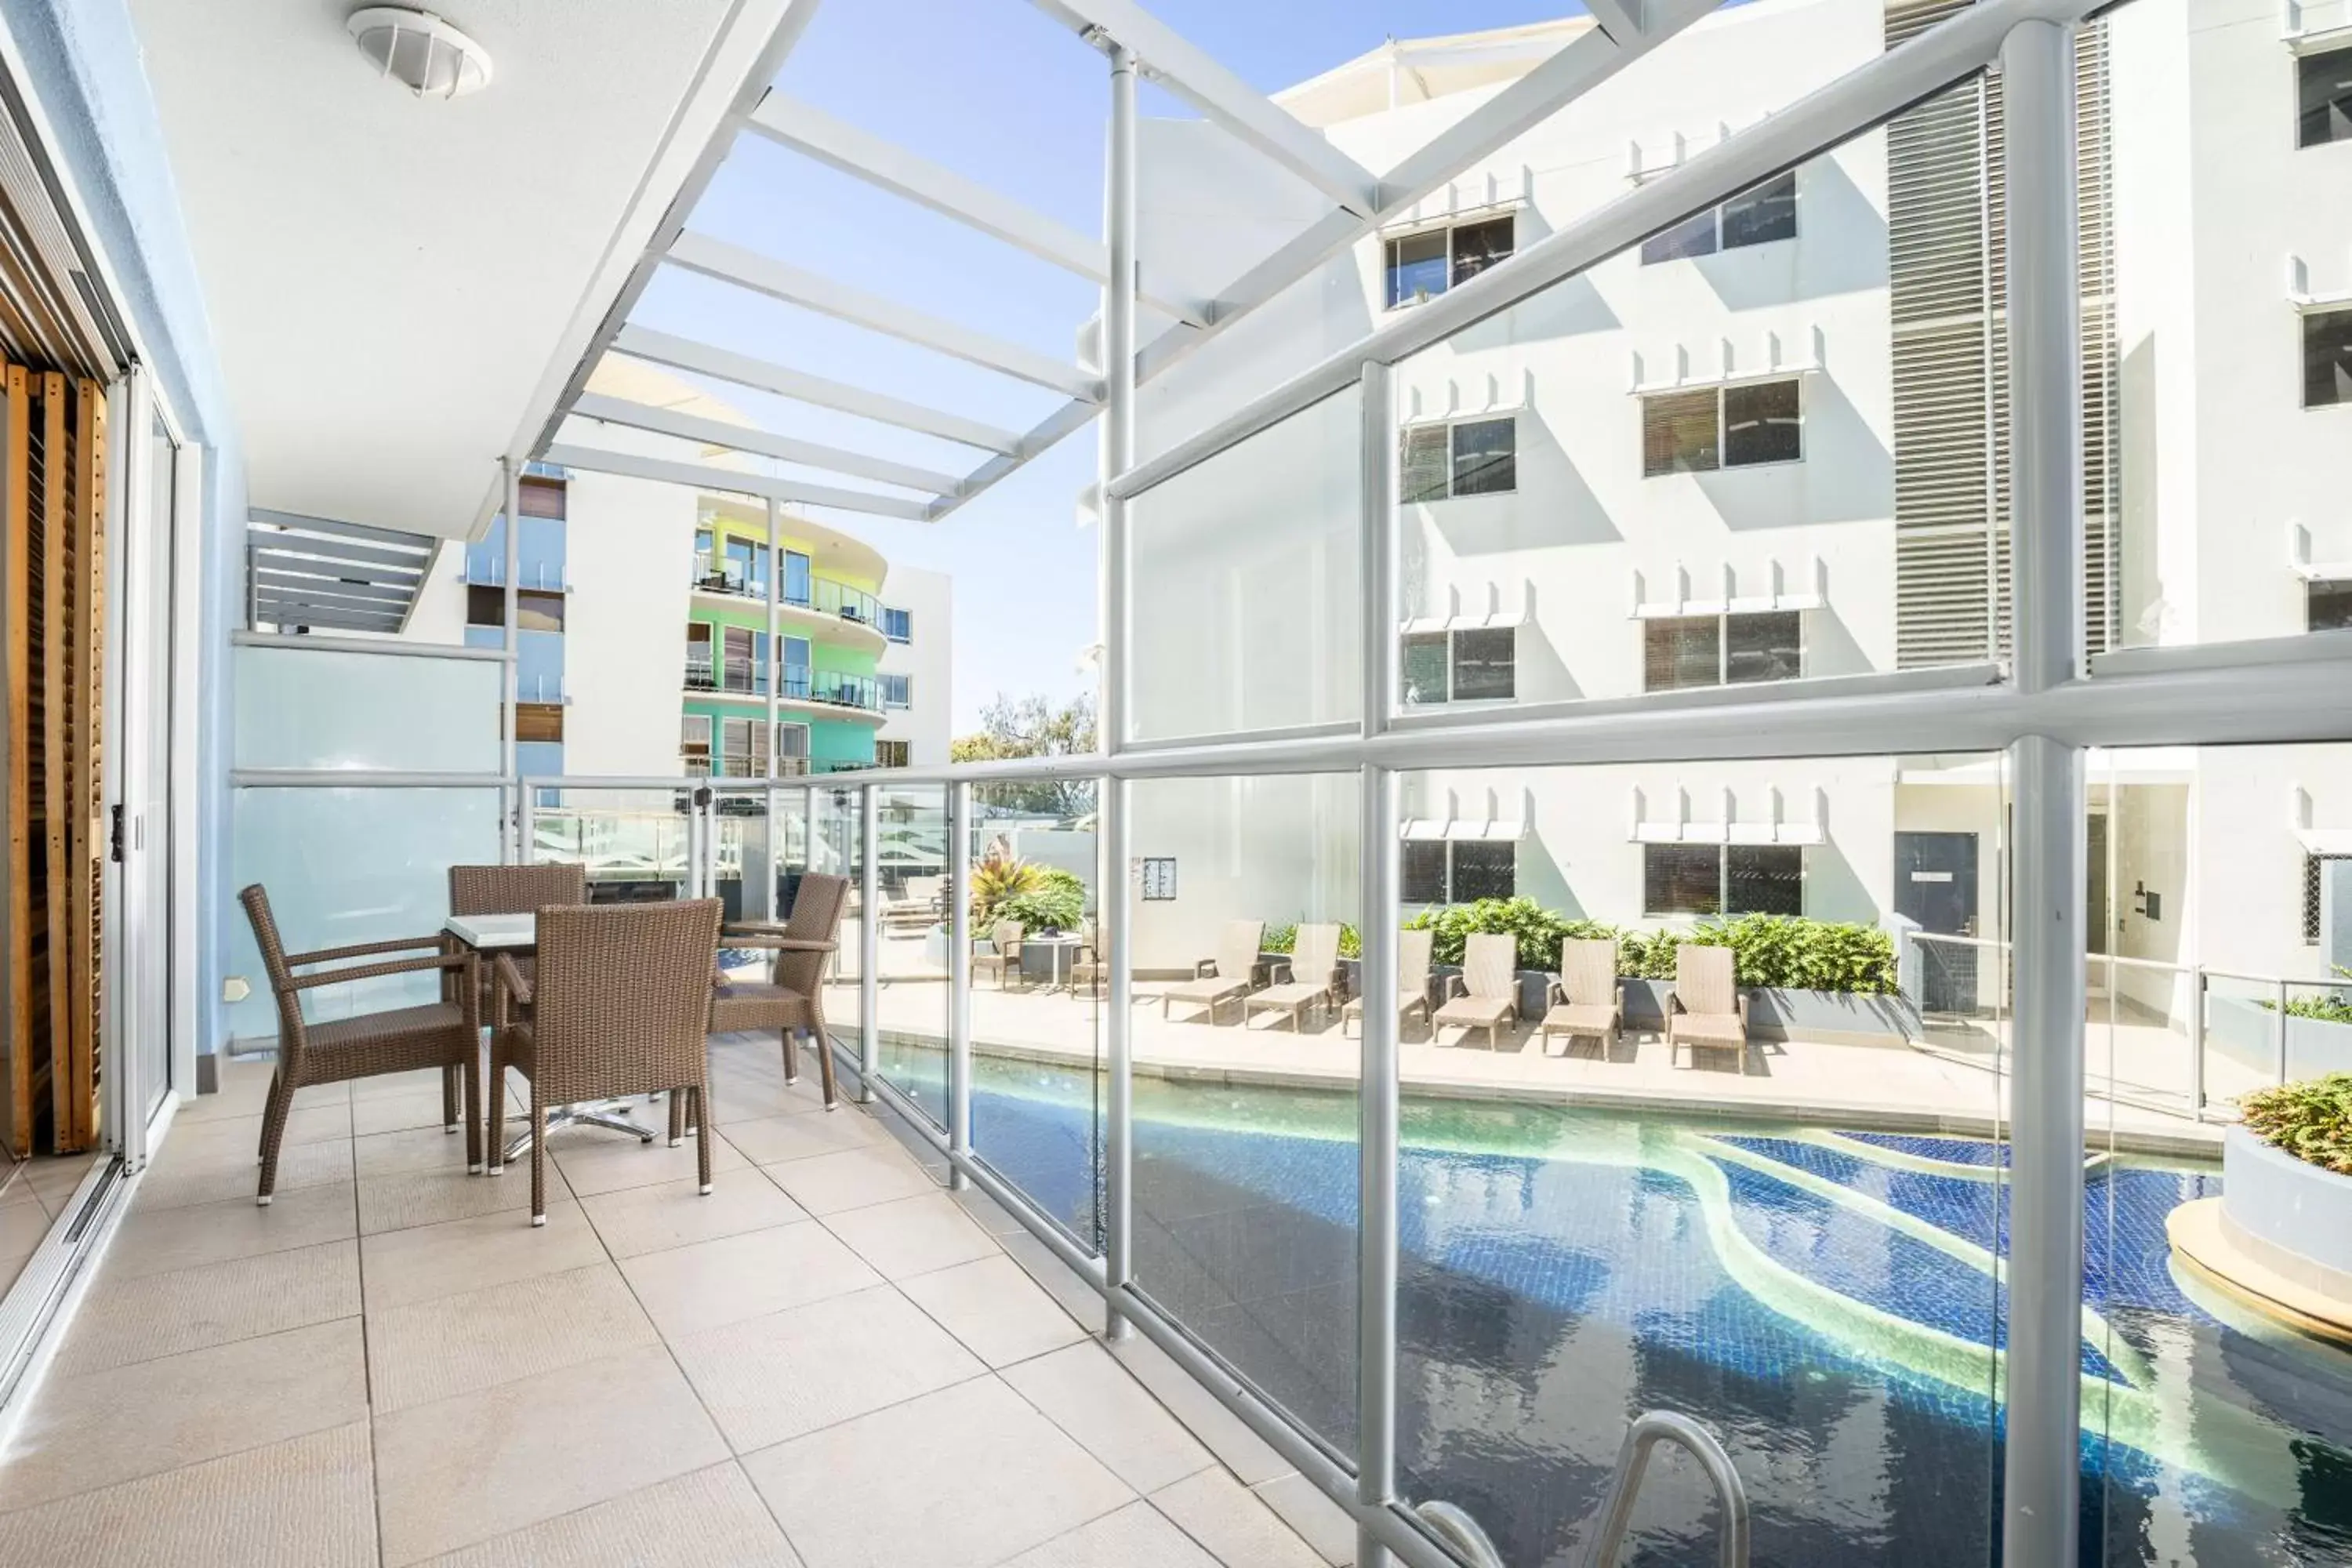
(869, 937)
(768, 675)
(510, 794)
(1115, 899)
(2042, 1456)
(958, 987)
(1377, 1087)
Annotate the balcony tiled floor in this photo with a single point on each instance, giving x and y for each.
(829, 1362)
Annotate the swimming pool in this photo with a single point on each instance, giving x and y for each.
(1827, 1299)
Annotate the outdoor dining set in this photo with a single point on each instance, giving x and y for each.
(594, 1005)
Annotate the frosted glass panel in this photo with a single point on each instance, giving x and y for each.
(1248, 602)
(303, 708)
(345, 865)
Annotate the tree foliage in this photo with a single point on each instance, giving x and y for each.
(1034, 727)
(2310, 1120)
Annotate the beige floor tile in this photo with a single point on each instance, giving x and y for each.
(299, 1166)
(749, 1096)
(988, 1214)
(153, 1241)
(1056, 1278)
(409, 1148)
(765, 1140)
(128, 1319)
(22, 1228)
(464, 1470)
(1238, 1449)
(636, 1220)
(1136, 1536)
(302, 1503)
(727, 1280)
(227, 1139)
(96, 1430)
(997, 1311)
(768, 1379)
(1001, 1479)
(398, 1267)
(831, 1183)
(1313, 1517)
(382, 1085)
(398, 1112)
(710, 1518)
(53, 1178)
(452, 1344)
(431, 1197)
(912, 1236)
(594, 1161)
(1087, 1395)
(1230, 1519)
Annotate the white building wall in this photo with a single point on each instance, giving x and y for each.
(927, 660)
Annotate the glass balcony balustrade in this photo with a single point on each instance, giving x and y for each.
(826, 595)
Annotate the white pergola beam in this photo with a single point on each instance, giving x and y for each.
(911, 177)
(767, 442)
(797, 285)
(709, 477)
(1197, 76)
(1620, 19)
(765, 375)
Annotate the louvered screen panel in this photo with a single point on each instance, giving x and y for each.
(2102, 452)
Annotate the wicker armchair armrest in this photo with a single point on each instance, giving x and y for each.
(1278, 971)
(360, 949)
(465, 961)
(1555, 991)
(780, 943)
(510, 986)
(1204, 968)
(1455, 986)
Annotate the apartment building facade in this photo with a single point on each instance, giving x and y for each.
(1771, 443)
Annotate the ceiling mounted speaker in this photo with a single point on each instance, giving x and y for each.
(421, 52)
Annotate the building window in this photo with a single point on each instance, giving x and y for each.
(893, 754)
(737, 646)
(1476, 457)
(1682, 651)
(2314, 897)
(1158, 878)
(1722, 879)
(1478, 665)
(543, 497)
(898, 626)
(2326, 358)
(793, 740)
(1756, 217)
(894, 689)
(2327, 606)
(2324, 104)
(1439, 871)
(536, 610)
(1735, 427)
(538, 722)
(1422, 265)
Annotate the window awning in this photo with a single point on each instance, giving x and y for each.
(1499, 620)
(1791, 833)
(1456, 829)
(2325, 840)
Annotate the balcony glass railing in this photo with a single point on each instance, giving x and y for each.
(863, 692)
(826, 595)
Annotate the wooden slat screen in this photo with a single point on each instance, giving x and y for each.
(57, 838)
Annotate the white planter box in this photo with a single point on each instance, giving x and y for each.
(2287, 1214)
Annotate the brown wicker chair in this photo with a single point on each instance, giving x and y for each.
(445, 1034)
(618, 1007)
(793, 997)
(514, 890)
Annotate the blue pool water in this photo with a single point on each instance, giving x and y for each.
(1825, 1299)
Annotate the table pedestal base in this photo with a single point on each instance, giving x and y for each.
(610, 1114)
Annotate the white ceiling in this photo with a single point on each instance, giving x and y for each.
(397, 287)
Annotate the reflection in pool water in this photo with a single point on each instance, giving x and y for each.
(1827, 1301)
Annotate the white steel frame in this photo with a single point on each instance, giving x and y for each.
(2042, 712)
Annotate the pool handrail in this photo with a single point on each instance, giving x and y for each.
(1460, 1533)
(1649, 1429)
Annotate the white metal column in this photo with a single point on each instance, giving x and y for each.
(2041, 1494)
(511, 796)
(959, 982)
(772, 671)
(869, 941)
(1116, 899)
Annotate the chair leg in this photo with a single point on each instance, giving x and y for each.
(702, 1145)
(449, 1097)
(792, 1059)
(538, 1157)
(273, 1134)
(269, 1108)
(474, 1108)
(495, 1112)
(677, 1117)
(824, 1050)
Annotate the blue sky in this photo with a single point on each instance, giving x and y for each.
(995, 90)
